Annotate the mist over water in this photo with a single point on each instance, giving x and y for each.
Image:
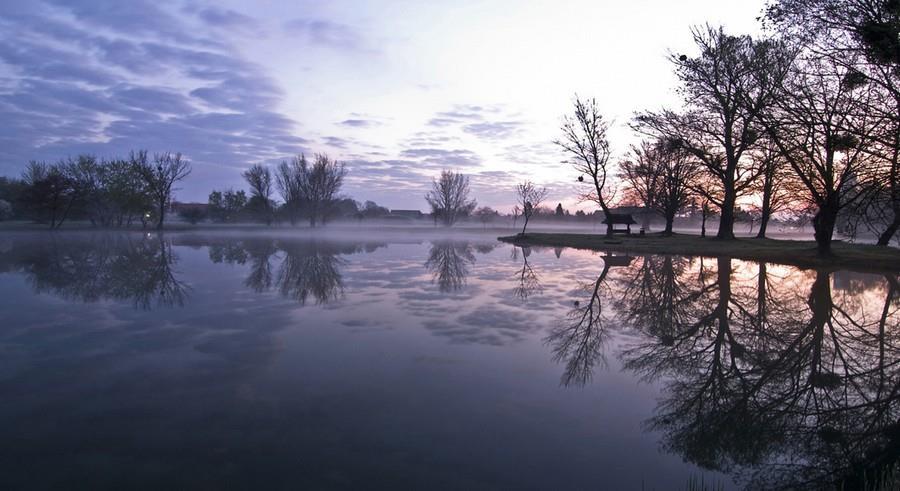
(403, 358)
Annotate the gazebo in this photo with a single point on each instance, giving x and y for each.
(620, 219)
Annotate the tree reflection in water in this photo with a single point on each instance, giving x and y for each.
(449, 263)
(776, 378)
(137, 268)
(529, 283)
(141, 268)
(308, 268)
(578, 342)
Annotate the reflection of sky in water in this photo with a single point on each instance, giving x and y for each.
(294, 363)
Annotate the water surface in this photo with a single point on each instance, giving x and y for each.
(249, 361)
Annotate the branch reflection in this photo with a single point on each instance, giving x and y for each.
(449, 263)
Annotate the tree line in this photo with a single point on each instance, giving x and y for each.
(806, 118)
(110, 193)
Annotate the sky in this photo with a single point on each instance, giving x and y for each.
(397, 90)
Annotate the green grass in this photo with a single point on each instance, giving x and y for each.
(794, 252)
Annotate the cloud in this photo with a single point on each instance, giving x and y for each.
(437, 157)
(326, 33)
(494, 131)
(336, 142)
(359, 123)
(129, 76)
(224, 18)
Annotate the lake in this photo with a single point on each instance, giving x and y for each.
(217, 361)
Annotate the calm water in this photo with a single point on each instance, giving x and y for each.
(137, 360)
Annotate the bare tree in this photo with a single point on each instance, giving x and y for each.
(50, 193)
(584, 139)
(773, 186)
(259, 178)
(821, 131)
(159, 177)
(863, 37)
(530, 198)
(320, 184)
(726, 89)
(660, 178)
(287, 181)
(449, 197)
(309, 189)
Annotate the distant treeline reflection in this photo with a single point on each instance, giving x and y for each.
(138, 268)
(305, 268)
(141, 268)
(784, 378)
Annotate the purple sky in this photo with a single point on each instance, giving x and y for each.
(396, 89)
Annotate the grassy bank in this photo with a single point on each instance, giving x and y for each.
(794, 252)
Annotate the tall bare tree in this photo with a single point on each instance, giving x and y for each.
(309, 189)
(320, 183)
(863, 37)
(821, 129)
(160, 176)
(773, 187)
(585, 141)
(725, 89)
(287, 181)
(530, 198)
(449, 197)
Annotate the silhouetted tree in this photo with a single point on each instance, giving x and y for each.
(259, 178)
(320, 183)
(660, 178)
(860, 36)
(49, 193)
(820, 129)
(160, 176)
(774, 185)
(449, 197)
(226, 206)
(585, 140)
(288, 178)
(726, 89)
(530, 198)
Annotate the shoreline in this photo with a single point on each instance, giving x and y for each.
(800, 253)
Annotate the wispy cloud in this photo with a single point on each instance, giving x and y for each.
(327, 33)
(98, 84)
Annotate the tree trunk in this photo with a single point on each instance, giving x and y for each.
(766, 210)
(703, 222)
(763, 225)
(608, 216)
(670, 220)
(726, 223)
(162, 215)
(886, 236)
(525, 225)
(824, 223)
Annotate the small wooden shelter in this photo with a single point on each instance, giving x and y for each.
(620, 219)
